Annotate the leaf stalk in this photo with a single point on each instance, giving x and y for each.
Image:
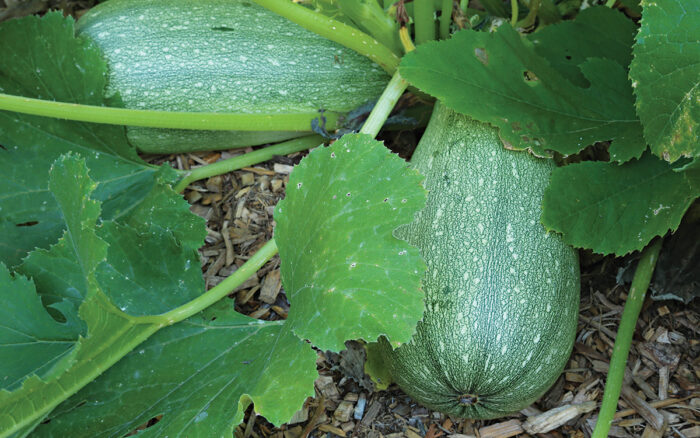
(191, 308)
(164, 119)
(623, 340)
(336, 31)
(384, 105)
(245, 160)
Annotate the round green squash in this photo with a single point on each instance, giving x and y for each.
(501, 293)
(222, 56)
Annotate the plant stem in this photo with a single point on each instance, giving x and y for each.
(336, 31)
(445, 19)
(514, 12)
(216, 293)
(163, 119)
(424, 19)
(623, 340)
(235, 163)
(369, 16)
(384, 105)
(406, 40)
(610, 3)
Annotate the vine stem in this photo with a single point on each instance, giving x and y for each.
(336, 31)
(249, 159)
(216, 293)
(445, 19)
(163, 119)
(424, 19)
(514, 12)
(393, 91)
(623, 340)
(610, 3)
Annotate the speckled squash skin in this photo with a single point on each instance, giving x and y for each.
(222, 56)
(501, 294)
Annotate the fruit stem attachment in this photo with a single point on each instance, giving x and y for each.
(334, 30)
(245, 160)
(216, 293)
(397, 85)
(163, 119)
(623, 340)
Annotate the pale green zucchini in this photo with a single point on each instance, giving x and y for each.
(501, 293)
(222, 56)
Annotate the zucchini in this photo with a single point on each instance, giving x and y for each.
(222, 56)
(501, 293)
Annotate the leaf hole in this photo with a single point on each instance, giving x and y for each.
(482, 55)
(28, 224)
(299, 185)
(386, 199)
(530, 77)
(347, 194)
(568, 57)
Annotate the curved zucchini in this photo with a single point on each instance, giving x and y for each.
(222, 56)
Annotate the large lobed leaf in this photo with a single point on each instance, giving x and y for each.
(534, 97)
(616, 209)
(53, 64)
(345, 274)
(666, 77)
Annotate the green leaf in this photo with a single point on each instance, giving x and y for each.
(231, 361)
(666, 77)
(613, 208)
(35, 343)
(597, 32)
(500, 79)
(29, 215)
(345, 274)
(88, 264)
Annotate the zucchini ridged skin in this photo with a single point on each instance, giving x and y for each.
(222, 56)
(502, 294)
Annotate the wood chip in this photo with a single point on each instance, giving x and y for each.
(247, 179)
(277, 185)
(271, 287)
(374, 408)
(557, 417)
(327, 387)
(651, 415)
(331, 429)
(505, 429)
(259, 170)
(344, 411)
(283, 168)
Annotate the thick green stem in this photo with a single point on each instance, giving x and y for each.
(334, 30)
(514, 11)
(163, 119)
(445, 19)
(610, 3)
(219, 291)
(623, 340)
(424, 19)
(384, 105)
(245, 160)
(370, 17)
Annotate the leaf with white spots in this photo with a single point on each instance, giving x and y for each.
(503, 78)
(666, 77)
(29, 215)
(345, 274)
(617, 209)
